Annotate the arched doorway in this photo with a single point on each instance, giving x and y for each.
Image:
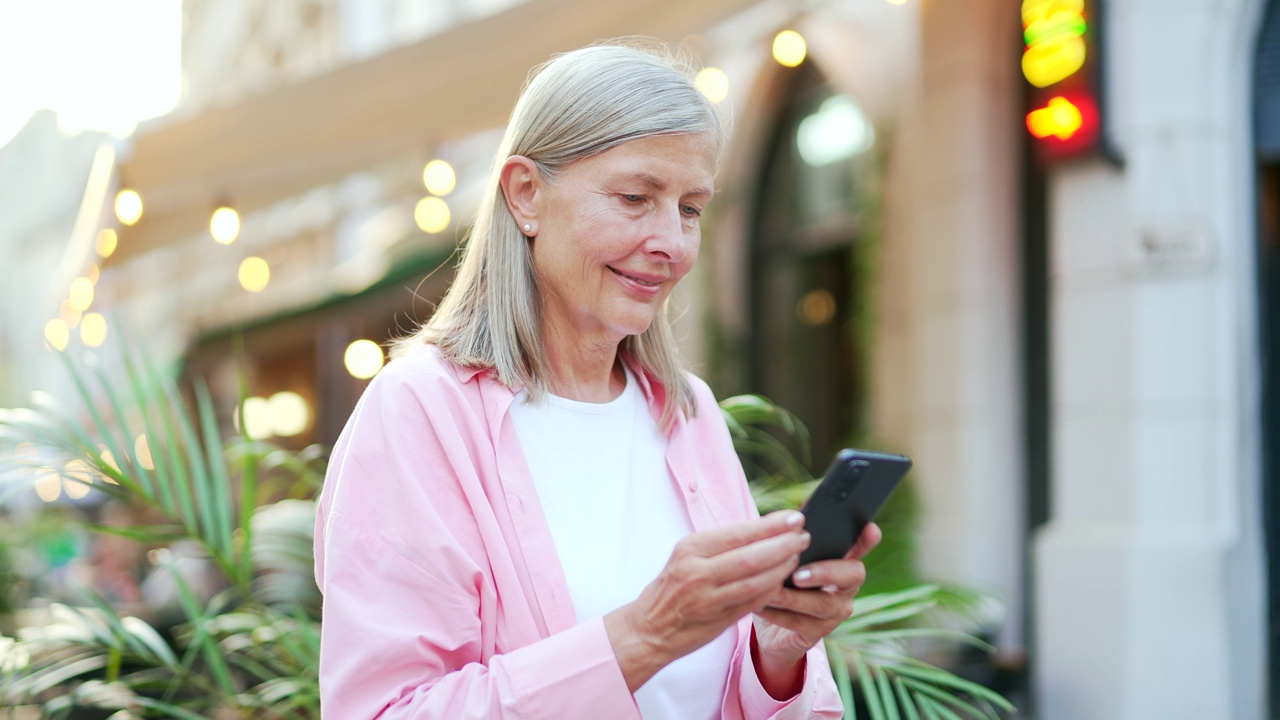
(805, 341)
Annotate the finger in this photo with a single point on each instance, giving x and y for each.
(750, 592)
(802, 625)
(867, 542)
(722, 539)
(758, 557)
(844, 575)
(808, 603)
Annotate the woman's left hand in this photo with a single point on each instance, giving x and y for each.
(798, 618)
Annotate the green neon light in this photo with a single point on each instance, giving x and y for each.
(1047, 30)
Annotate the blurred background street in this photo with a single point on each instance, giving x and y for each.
(1035, 246)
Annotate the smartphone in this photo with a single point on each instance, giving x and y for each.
(850, 495)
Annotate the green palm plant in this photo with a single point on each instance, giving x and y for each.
(878, 646)
(143, 444)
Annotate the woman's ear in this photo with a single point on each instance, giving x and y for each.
(521, 186)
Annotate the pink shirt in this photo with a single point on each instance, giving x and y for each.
(443, 594)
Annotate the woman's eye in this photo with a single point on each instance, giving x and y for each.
(633, 198)
(691, 211)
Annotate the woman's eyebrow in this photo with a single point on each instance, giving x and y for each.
(658, 183)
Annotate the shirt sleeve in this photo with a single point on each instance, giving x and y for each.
(746, 697)
(409, 618)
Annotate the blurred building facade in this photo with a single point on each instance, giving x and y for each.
(1074, 353)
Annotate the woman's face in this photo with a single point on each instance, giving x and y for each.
(616, 231)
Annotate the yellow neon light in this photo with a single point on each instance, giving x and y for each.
(1060, 119)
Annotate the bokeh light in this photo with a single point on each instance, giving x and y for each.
(254, 274)
(128, 206)
(48, 484)
(288, 413)
(68, 314)
(713, 83)
(363, 359)
(432, 215)
(93, 329)
(838, 130)
(789, 48)
(439, 178)
(107, 241)
(81, 295)
(57, 333)
(816, 307)
(1060, 119)
(257, 418)
(224, 225)
(77, 480)
(142, 451)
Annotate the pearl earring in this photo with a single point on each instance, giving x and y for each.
(528, 227)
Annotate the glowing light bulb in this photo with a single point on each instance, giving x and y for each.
(224, 225)
(432, 215)
(713, 83)
(57, 333)
(257, 418)
(363, 359)
(439, 178)
(789, 48)
(81, 295)
(288, 413)
(254, 274)
(93, 329)
(128, 206)
(107, 241)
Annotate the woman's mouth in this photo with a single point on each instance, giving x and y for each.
(642, 284)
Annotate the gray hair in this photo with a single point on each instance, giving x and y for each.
(577, 105)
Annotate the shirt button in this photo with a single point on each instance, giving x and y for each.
(693, 486)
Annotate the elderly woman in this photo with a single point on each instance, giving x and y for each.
(534, 511)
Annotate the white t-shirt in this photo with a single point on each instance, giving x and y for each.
(615, 516)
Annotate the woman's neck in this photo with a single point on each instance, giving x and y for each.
(581, 368)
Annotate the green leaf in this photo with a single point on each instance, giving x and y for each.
(904, 701)
(887, 700)
(867, 681)
(840, 670)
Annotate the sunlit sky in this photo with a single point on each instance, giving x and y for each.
(100, 64)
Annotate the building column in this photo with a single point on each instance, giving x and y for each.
(1147, 577)
(947, 366)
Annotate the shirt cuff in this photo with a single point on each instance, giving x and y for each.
(573, 673)
(756, 701)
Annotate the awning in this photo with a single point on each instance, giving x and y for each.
(293, 138)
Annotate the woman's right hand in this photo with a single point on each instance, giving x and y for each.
(712, 579)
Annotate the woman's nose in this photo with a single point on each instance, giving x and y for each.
(668, 236)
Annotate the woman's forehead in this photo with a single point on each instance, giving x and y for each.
(660, 161)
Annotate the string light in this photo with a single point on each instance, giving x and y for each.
(439, 178)
(254, 274)
(363, 359)
(713, 83)
(107, 240)
(93, 329)
(224, 225)
(128, 206)
(432, 215)
(81, 295)
(57, 333)
(789, 48)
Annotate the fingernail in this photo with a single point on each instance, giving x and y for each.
(803, 575)
(795, 519)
